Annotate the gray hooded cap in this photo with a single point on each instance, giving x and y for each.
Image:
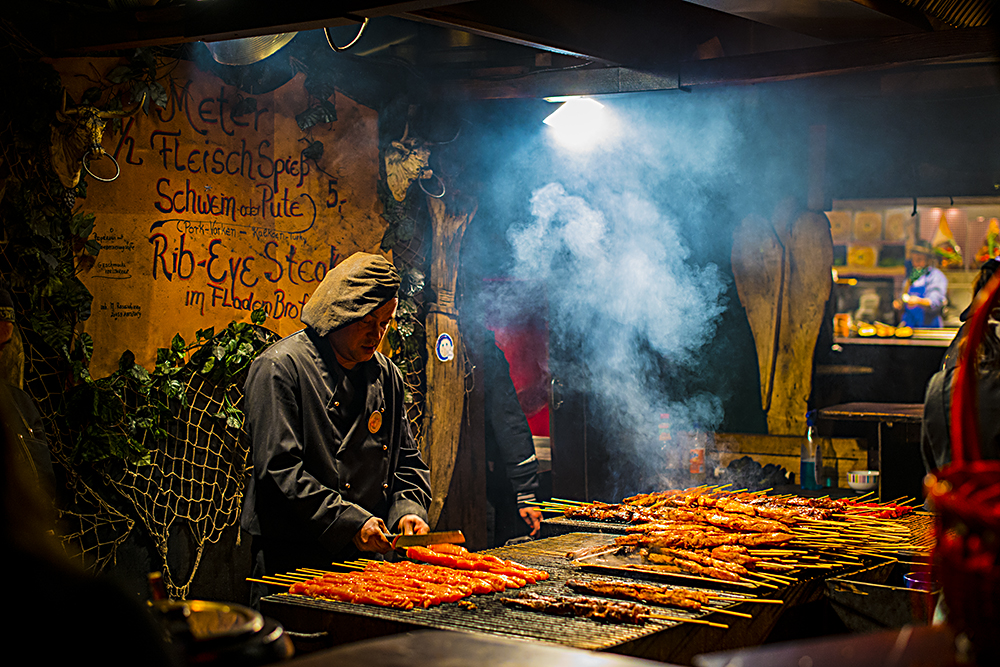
(349, 291)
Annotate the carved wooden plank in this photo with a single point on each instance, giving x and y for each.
(758, 259)
(809, 258)
(445, 378)
(782, 272)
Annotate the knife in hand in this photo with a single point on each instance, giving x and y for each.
(447, 537)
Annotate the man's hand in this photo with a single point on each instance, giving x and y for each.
(371, 537)
(533, 518)
(411, 524)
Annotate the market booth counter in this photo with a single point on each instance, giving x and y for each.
(892, 431)
(733, 611)
(333, 623)
(872, 369)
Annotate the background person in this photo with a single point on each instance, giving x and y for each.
(512, 467)
(925, 291)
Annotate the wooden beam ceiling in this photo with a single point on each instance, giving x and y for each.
(69, 32)
(950, 46)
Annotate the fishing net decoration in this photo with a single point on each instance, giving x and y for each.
(965, 497)
(193, 481)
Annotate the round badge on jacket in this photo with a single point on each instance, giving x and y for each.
(375, 422)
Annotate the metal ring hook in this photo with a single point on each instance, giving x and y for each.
(326, 31)
(420, 182)
(86, 167)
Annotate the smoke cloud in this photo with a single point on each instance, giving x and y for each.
(628, 247)
(621, 291)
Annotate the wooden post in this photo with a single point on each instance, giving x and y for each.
(445, 360)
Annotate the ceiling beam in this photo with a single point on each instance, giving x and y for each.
(639, 34)
(77, 33)
(948, 46)
(945, 46)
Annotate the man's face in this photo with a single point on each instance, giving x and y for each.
(356, 343)
(918, 259)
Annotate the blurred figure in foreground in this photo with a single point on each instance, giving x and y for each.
(31, 444)
(60, 614)
(935, 436)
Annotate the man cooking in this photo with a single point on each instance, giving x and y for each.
(335, 465)
(925, 291)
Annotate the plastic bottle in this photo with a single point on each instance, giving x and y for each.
(810, 463)
(697, 460)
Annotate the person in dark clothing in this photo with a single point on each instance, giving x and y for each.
(62, 614)
(986, 272)
(31, 444)
(335, 465)
(935, 436)
(512, 468)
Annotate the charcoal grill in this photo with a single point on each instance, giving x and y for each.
(342, 622)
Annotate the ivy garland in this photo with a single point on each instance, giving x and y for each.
(109, 425)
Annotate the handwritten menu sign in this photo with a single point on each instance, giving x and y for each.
(217, 212)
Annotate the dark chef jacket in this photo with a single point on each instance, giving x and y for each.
(319, 473)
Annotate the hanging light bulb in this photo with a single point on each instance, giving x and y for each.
(579, 123)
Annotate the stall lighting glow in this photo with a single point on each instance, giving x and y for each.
(579, 123)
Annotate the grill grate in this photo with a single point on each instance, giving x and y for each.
(493, 618)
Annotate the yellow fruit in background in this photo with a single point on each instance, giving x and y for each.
(884, 330)
(895, 227)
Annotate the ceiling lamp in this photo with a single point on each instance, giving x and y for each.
(579, 123)
(248, 50)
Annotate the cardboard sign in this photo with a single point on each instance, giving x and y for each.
(217, 212)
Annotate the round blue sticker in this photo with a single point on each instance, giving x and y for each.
(444, 348)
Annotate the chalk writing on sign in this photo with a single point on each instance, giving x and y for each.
(119, 311)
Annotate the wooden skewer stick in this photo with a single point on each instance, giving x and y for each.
(681, 619)
(564, 501)
(609, 550)
(729, 598)
(715, 610)
(287, 580)
(269, 583)
(317, 572)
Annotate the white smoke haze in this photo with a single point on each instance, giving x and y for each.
(620, 242)
(619, 285)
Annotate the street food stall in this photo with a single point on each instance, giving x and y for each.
(688, 227)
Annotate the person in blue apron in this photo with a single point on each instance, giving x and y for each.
(925, 291)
